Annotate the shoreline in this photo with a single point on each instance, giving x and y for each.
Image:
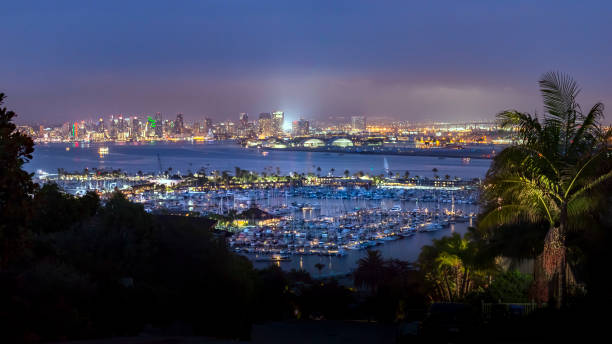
(464, 153)
(472, 153)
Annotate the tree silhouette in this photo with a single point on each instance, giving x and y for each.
(370, 270)
(16, 186)
(319, 267)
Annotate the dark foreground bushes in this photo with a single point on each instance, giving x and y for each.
(112, 271)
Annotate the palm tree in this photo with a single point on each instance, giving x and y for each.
(225, 177)
(453, 266)
(550, 173)
(346, 173)
(370, 270)
(319, 267)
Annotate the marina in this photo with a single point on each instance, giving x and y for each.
(294, 222)
(298, 227)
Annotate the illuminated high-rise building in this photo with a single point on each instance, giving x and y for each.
(179, 124)
(300, 128)
(244, 120)
(208, 124)
(278, 119)
(75, 130)
(264, 124)
(159, 125)
(135, 132)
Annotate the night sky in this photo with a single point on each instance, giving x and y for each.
(434, 60)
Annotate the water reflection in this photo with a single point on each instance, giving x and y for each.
(407, 249)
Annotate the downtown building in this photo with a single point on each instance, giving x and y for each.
(300, 128)
(278, 119)
(358, 123)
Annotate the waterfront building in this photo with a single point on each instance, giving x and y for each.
(27, 130)
(225, 130)
(179, 124)
(278, 119)
(264, 125)
(342, 142)
(300, 128)
(100, 128)
(313, 143)
(244, 120)
(135, 130)
(208, 123)
(159, 125)
(358, 123)
(197, 128)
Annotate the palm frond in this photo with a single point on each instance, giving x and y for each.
(578, 174)
(446, 259)
(559, 92)
(529, 127)
(521, 159)
(596, 182)
(509, 214)
(539, 185)
(589, 131)
(580, 205)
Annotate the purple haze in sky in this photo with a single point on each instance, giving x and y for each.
(434, 60)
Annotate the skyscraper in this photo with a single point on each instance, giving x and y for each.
(278, 118)
(244, 120)
(159, 125)
(264, 124)
(135, 133)
(208, 124)
(179, 124)
(300, 128)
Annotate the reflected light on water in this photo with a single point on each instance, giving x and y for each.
(103, 151)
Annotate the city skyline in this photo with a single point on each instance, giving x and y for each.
(265, 129)
(413, 62)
